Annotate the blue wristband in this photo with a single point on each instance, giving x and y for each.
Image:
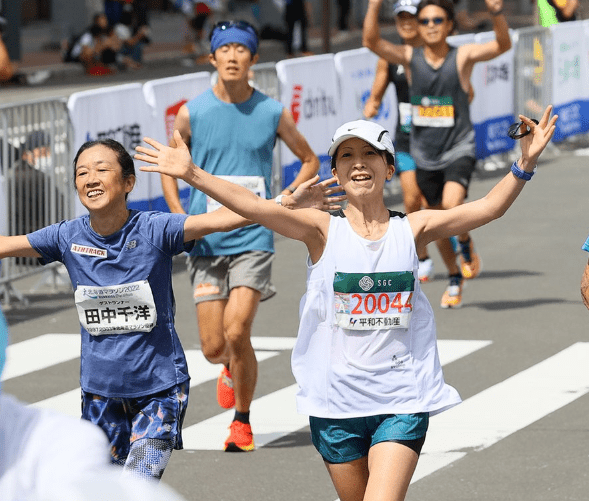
(522, 174)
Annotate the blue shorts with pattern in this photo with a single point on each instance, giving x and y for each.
(345, 440)
(126, 420)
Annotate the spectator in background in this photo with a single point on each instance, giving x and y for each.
(296, 12)
(196, 14)
(343, 14)
(557, 11)
(466, 21)
(113, 10)
(101, 51)
(96, 48)
(133, 37)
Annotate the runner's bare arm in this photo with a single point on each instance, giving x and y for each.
(170, 184)
(473, 53)
(296, 142)
(222, 219)
(585, 286)
(393, 53)
(17, 246)
(307, 225)
(379, 87)
(567, 7)
(430, 225)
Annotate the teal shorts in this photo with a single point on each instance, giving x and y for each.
(345, 440)
(403, 162)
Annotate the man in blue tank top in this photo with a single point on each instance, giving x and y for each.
(231, 130)
(442, 136)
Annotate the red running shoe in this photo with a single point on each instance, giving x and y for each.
(240, 439)
(225, 393)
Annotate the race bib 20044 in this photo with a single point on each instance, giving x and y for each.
(368, 301)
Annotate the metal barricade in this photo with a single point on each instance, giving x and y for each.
(266, 79)
(533, 70)
(36, 179)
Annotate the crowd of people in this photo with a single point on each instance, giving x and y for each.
(368, 417)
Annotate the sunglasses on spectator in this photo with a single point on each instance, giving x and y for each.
(241, 25)
(436, 20)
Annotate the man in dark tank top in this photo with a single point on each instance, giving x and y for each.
(442, 136)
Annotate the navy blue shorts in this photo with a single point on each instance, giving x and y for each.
(125, 420)
(345, 440)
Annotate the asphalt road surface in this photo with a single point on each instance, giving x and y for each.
(517, 352)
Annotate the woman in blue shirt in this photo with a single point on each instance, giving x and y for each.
(134, 375)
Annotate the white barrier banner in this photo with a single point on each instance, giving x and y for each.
(491, 116)
(458, 40)
(164, 97)
(309, 89)
(568, 86)
(120, 113)
(356, 70)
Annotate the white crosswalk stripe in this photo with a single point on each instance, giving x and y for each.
(39, 353)
(479, 422)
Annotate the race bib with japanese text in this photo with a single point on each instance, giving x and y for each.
(369, 301)
(432, 111)
(256, 184)
(117, 309)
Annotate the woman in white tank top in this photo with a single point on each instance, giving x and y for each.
(365, 359)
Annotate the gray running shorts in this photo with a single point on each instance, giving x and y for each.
(213, 277)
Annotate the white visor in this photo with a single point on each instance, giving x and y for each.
(371, 132)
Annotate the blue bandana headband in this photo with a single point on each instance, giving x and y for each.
(233, 34)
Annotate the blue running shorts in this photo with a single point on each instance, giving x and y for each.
(403, 162)
(345, 440)
(125, 420)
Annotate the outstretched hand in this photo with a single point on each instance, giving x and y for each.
(494, 5)
(533, 144)
(173, 161)
(322, 196)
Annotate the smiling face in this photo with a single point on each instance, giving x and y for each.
(99, 180)
(233, 62)
(407, 26)
(360, 168)
(431, 32)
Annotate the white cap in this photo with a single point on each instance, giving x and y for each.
(371, 132)
(406, 6)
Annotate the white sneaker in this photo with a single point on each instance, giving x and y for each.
(38, 77)
(426, 269)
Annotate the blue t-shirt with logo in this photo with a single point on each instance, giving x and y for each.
(234, 140)
(123, 291)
